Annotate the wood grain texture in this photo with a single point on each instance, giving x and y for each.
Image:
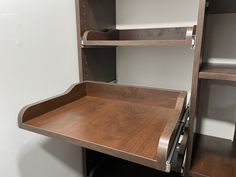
(99, 64)
(97, 15)
(139, 37)
(78, 25)
(31, 111)
(213, 157)
(119, 123)
(194, 92)
(218, 72)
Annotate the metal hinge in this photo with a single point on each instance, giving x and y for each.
(82, 43)
(193, 44)
(179, 133)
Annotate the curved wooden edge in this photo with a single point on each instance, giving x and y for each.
(100, 35)
(31, 111)
(167, 138)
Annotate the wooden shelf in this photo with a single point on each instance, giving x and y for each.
(139, 37)
(213, 157)
(218, 72)
(219, 6)
(133, 123)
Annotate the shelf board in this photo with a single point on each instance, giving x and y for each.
(139, 37)
(213, 157)
(218, 72)
(134, 123)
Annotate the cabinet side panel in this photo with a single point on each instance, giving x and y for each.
(96, 64)
(195, 83)
(97, 15)
(99, 64)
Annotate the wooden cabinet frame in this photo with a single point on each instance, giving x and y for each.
(90, 104)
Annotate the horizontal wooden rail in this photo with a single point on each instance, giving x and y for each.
(140, 37)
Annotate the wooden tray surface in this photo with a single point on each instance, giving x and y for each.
(134, 123)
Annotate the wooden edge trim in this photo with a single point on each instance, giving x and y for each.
(235, 134)
(100, 35)
(92, 37)
(180, 100)
(136, 86)
(196, 174)
(217, 76)
(166, 140)
(36, 109)
(195, 80)
(135, 43)
(93, 146)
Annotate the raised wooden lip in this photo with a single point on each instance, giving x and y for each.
(179, 36)
(208, 149)
(216, 71)
(165, 142)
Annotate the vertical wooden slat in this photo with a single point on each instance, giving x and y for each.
(195, 82)
(77, 9)
(235, 133)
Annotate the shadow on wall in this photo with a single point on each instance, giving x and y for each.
(217, 101)
(64, 157)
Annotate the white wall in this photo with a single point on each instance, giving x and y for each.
(166, 67)
(38, 59)
(171, 67)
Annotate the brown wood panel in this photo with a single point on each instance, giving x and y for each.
(177, 33)
(194, 92)
(222, 6)
(218, 72)
(96, 15)
(99, 64)
(126, 128)
(161, 36)
(33, 110)
(80, 60)
(137, 43)
(152, 96)
(213, 157)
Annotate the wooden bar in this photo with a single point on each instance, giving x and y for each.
(193, 119)
(133, 123)
(139, 37)
(218, 72)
